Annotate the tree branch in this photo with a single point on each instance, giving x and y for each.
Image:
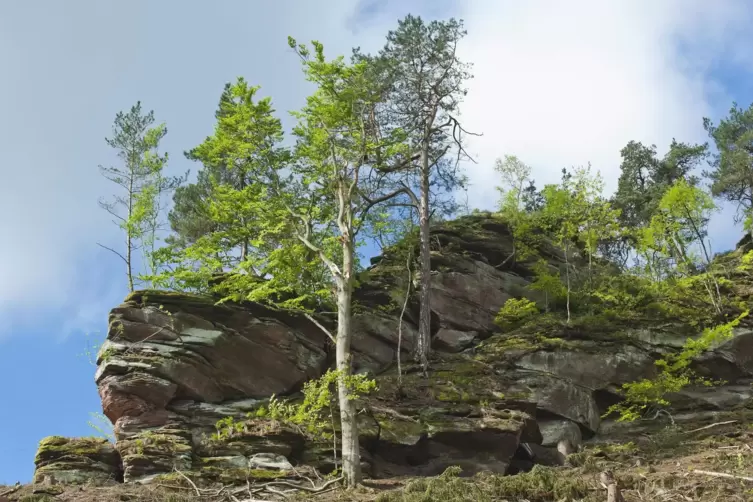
(373, 202)
(112, 250)
(320, 326)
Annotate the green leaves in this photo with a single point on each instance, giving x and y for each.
(138, 211)
(644, 177)
(515, 312)
(314, 415)
(731, 171)
(674, 374)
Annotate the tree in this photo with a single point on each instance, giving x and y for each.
(562, 214)
(678, 233)
(225, 222)
(422, 82)
(598, 220)
(576, 213)
(189, 217)
(731, 171)
(137, 211)
(644, 177)
(332, 174)
(532, 198)
(514, 174)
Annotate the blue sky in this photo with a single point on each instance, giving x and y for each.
(557, 84)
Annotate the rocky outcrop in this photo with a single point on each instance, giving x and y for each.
(174, 365)
(63, 460)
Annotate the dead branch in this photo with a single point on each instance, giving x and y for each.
(304, 488)
(722, 475)
(113, 251)
(717, 424)
(613, 491)
(15, 488)
(193, 485)
(320, 326)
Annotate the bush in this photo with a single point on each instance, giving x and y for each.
(515, 312)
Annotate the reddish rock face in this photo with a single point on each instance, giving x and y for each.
(175, 364)
(168, 349)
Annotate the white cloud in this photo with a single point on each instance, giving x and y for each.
(557, 83)
(562, 84)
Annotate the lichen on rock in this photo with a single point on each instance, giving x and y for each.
(174, 365)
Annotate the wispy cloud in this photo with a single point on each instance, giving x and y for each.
(557, 83)
(562, 84)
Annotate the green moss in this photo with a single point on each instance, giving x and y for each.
(501, 345)
(54, 447)
(225, 475)
(152, 443)
(37, 498)
(171, 301)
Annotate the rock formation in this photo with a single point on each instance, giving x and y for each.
(174, 365)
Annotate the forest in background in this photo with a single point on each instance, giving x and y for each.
(376, 156)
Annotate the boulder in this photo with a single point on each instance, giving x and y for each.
(453, 340)
(61, 460)
(553, 431)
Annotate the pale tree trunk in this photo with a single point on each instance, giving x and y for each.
(567, 275)
(351, 455)
(423, 344)
(129, 230)
(400, 324)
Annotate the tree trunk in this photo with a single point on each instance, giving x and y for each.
(351, 455)
(129, 230)
(423, 344)
(129, 270)
(400, 323)
(567, 275)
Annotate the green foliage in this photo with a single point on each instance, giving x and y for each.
(674, 374)
(236, 219)
(548, 282)
(644, 178)
(515, 312)
(579, 218)
(314, 415)
(137, 211)
(514, 174)
(731, 173)
(673, 244)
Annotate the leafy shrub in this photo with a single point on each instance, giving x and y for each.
(515, 312)
(675, 374)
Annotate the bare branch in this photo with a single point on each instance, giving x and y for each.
(321, 327)
(112, 250)
(193, 485)
(728, 422)
(722, 475)
(373, 202)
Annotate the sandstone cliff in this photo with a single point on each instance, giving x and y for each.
(174, 364)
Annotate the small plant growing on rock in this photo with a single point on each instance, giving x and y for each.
(228, 427)
(315, 415)
(515, 312)
(675, 374)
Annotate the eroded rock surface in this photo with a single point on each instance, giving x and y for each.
(174, 365)
(61, 460)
